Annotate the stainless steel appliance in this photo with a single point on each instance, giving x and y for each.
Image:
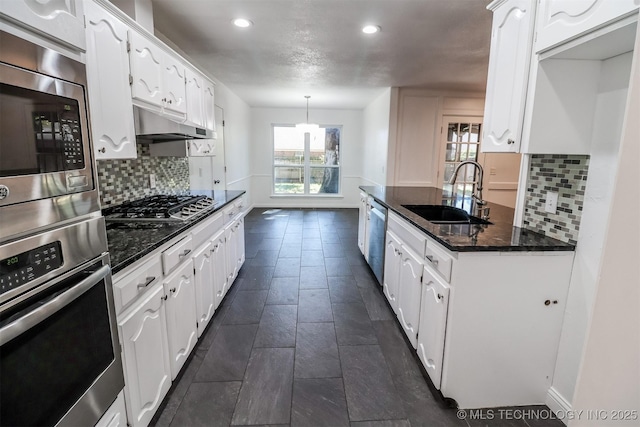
(160, 208)
(46, 170)
(377, 228)
(153, 127)
(59, 352)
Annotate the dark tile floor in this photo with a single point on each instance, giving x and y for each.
(305, 338)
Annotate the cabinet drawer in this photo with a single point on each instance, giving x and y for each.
(176, 254)
(438, 260)
(240, 204)
(229, 213)
(203, 232)
(126, 290)
(410, 236)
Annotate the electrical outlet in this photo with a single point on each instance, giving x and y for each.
(551, 204)
(152, 180)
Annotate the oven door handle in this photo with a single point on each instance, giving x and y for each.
(29, 320)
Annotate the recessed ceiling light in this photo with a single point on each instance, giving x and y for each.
(242, 23)
(370, 29)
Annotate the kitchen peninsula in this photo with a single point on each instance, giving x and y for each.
(481, 303)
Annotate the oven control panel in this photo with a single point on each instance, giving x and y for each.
(22, 268)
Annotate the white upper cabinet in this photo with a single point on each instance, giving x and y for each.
(146, 71)
(195, 94)
(60, 20)
(208, 102)
(173, 85)
(562, 20)
(509, 58)
(158, 80)
(108, 85)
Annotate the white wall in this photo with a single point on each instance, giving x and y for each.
(261, 155)
(237, 140)
(605, 143)
(376, 139)
(609, 378)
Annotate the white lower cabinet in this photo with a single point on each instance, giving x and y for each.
(205, 289)
(393, 259)
(116, 415)
(181, 315)
(161, 316)
(433, 321)
(486, 325)
(409, 292)
(219, 266)
(362, 221)
(145, 351)
(234, 237)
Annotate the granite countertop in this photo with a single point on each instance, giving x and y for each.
(501, 235)
(130, 241)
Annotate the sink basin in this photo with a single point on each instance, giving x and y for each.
(440, 214)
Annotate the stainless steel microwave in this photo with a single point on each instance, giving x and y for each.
(46, 168)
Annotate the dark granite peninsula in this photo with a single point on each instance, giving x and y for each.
(131, 241)
(500, 235)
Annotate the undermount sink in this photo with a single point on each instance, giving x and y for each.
(440, 214)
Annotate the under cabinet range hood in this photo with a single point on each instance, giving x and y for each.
(151, 127)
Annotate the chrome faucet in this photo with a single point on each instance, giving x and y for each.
(481, 210)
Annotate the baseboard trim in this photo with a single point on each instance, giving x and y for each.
(558, 404)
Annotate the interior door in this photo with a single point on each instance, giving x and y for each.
(218, 167)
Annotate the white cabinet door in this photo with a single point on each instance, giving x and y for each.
(231, 244)
(205, 292)
(219, 266)
(195, 93)
(511, 39)
(145, 352)
(433, 322)
(392, 261)
(173, 86)
(181, 315)
(409, 293)
(61, 20)
(362, 221)
(562, 20)
(239, 244)
(108, 85)
(202, 147)
(146, 69)
(209, 107)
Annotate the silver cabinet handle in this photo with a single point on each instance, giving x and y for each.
(173, 290)
(440, 296)
(510, 141)
(102, 150)
(431, 260)
(147, 282)
(185, 253)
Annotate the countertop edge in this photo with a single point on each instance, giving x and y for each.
(565, 247)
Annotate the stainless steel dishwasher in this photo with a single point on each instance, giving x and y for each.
(376, 227)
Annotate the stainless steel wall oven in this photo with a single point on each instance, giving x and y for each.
(60, 358)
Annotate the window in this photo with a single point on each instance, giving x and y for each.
(306, 163)
(462, 143)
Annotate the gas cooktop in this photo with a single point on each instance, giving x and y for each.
(160, 208)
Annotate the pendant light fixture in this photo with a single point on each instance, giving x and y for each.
(307, 127)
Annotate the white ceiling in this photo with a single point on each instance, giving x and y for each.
(316, 47)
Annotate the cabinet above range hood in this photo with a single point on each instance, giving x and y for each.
(152, 127)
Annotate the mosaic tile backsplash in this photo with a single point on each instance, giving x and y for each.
(124, 180)
(566, 175)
